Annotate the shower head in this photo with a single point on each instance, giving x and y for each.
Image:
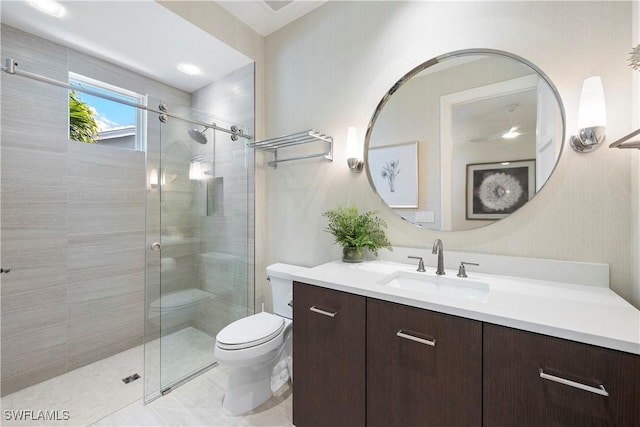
(198, 135)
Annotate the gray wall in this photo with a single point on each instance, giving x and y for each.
(73, 219)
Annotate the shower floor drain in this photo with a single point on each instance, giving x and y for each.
(130, 378)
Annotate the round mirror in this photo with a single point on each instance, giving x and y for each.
(464, 139)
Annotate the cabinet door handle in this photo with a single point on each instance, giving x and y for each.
(323, 312)
(407, 336)
(601, 391)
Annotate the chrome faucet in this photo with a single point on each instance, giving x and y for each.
(437, 249)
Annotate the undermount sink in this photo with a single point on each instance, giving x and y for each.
(466, 289)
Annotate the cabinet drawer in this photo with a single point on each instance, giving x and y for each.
(423, 368)
(536, 380)
(328, 358)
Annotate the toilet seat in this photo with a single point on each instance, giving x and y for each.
(250, 331)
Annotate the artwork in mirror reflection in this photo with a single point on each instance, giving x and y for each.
(467, 108)
(495, 190)
(395, 174)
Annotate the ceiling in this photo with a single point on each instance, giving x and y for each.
(265, 17)
(487, 120)
(143, 36)
(140, 35)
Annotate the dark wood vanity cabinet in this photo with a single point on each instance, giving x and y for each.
(328, 357)
(521, 388)
(423, 368)
(361, 361)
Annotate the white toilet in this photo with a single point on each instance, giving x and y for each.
(257, 349)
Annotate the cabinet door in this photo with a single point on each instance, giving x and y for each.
(328, 357)
(536, 380)
(423, 368)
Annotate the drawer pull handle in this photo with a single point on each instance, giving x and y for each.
(404, 335)
(601, 391)
(323, 312)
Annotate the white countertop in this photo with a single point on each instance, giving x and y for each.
(592, 315)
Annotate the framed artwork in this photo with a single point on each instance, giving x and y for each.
(394, 172)
(495, 190)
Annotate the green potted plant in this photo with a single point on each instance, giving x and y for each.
(355, 231)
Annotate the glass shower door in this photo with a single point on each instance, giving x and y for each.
(197, 216)
(185, 348)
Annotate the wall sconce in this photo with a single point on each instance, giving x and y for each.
(354, 151)
(195, 170)
(153, 179)
(592, 117)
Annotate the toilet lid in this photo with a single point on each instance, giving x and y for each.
(250, 331)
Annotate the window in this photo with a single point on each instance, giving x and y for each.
(98, 120)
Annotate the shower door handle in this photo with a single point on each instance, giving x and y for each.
(5, 270)
(155, 247)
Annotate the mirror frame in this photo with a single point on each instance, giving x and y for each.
(432, 62)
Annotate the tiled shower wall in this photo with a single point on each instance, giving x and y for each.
(229, 232)
(73, 218)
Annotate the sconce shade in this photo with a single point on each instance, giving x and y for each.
(353, 148)
(153, 178)
(592, 111)
(592, 117)
(195, 171)
(354, 151)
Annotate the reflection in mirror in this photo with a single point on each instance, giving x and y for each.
(464, 139)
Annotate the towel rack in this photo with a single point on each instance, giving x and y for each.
(622, 144)
(272, 145)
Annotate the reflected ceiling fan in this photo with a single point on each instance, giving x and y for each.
(509, 133)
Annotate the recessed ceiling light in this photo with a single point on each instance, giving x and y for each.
(189, 69)
(49, 7)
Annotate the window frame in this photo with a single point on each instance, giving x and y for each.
(80, 80)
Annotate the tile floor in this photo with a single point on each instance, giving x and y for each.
(182, 353)
(87, 393)
(199, 403)
(95, 394)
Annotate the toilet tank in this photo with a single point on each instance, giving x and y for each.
(282, 287)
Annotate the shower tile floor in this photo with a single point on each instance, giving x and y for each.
(88, 393)
(95, 394)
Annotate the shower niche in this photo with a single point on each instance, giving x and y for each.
(215, 196)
